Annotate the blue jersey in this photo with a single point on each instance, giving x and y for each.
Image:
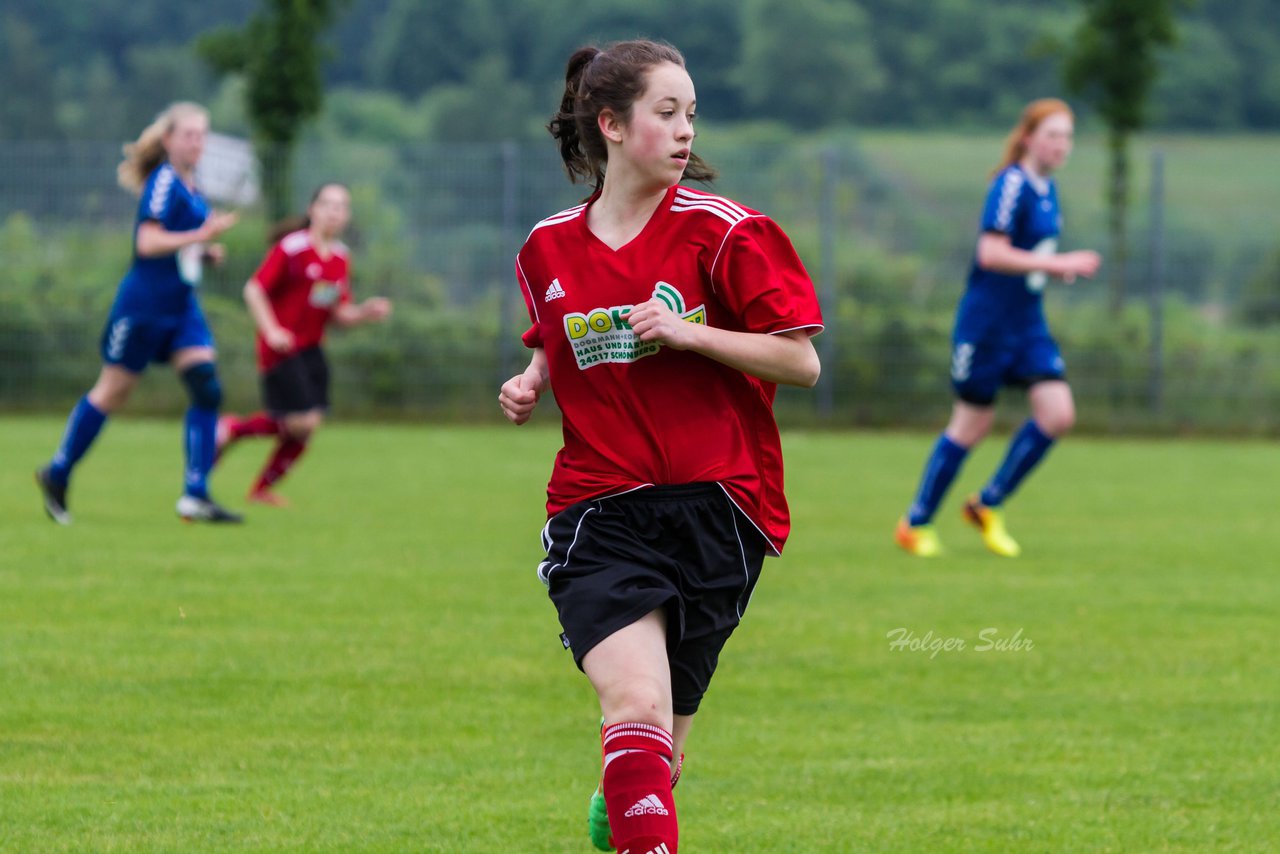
(163, 285)
(1024, 207)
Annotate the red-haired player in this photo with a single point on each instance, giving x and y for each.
(302, 286)
(1001, 337)
(662, 318)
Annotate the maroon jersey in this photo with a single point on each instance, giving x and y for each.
(303, 289)
(639, 414)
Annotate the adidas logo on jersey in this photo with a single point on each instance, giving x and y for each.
(554, 291)
(648, 805)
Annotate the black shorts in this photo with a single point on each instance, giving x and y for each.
(686, 549)
(298, 384)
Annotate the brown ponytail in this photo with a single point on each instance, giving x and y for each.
(564, 124)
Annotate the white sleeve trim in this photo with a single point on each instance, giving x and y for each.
(818, 326)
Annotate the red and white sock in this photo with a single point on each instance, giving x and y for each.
(286, 453)
(637, 788)
(257, 424)
(675, 775)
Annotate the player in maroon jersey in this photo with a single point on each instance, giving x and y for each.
(301, 287)
(662, 318)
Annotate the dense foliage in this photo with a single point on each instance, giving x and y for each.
(1112, 61)
(486, 69)
(438, 225)
(278, 53)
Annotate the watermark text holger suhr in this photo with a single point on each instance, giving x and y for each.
(990, 639)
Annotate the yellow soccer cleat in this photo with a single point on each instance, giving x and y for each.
(990, 522)
(919, 540)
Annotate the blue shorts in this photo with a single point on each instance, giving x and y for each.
(133, 341)
(980, 368)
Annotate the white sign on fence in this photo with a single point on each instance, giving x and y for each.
(228, 173)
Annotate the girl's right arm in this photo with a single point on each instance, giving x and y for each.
(154, 240)
(277, 337)
(519, 395)
(998, 254)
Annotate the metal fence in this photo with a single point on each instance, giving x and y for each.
(436, 229)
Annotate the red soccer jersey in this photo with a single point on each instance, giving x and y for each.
(638, 414)
(303, 289)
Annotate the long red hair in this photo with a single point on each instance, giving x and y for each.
(1032, 115)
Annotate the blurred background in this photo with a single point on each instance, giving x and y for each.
(868, 129)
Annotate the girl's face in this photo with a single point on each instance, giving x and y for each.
(184, 143)
(331, 211)
(658, 139)
(1049, 145)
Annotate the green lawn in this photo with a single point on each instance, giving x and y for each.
(378, 669)
(1222, 179)
(1215, 186)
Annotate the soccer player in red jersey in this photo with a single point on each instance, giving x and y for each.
(301, 287)
(662, 317)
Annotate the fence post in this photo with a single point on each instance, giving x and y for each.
(1155, 379)
(827, 286)
(510, 204)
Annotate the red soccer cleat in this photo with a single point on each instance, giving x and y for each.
(266, 496)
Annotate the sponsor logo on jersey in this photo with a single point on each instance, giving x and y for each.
(600, 336)
(554, 291)
(324, 294)
(1037, 279)
(191, 263)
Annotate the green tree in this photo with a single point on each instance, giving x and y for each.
(25, 109)
(417, 46)
(1113, 62)
(1203, 85)
(279, 53)
(807, 62)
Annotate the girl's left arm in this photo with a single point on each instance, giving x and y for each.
(783, 357)
(373, 309)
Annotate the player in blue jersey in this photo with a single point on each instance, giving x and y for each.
(1001, 338)
(156, 316)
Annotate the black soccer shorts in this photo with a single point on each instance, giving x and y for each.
(686, 549)
(298, 384)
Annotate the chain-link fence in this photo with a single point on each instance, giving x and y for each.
(885, 231)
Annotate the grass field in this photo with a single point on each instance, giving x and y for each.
(1219, 182)
(378, 669)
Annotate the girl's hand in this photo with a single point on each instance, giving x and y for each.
(519, 395)
(218, 222)
(376, 308)
(653, 321)
(279, 339)
(1082, 262)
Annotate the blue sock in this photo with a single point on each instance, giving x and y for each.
(199, 432)
(1028, 448)
(943, 466)
(83, 425)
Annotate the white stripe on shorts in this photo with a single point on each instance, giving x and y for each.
(546, 568)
